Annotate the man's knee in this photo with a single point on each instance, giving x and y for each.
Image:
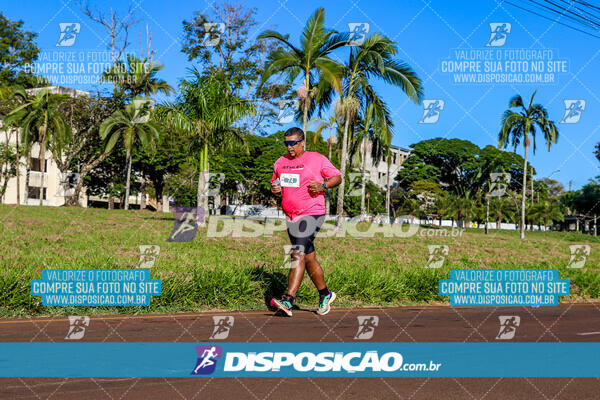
(298, 255)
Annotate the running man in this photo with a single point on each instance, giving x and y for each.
(302, 177)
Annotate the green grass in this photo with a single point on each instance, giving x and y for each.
(243, 273)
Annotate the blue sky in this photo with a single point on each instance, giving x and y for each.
(427, 33)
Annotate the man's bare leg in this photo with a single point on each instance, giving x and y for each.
(314, 270)
(296, 272)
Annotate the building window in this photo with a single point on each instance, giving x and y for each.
(395, 158)
(35, 164)
(34, 192)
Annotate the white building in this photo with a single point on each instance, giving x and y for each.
(56, 188)
(377, 172)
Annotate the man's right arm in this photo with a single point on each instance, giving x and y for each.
(275, 189)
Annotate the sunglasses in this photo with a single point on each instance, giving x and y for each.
(292, 142)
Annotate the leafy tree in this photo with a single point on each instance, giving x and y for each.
(206, 113)
(521, 126)
(555, 188)
(453, 163)
(546, 211)
(587, 200)
(125, 125)
(502, 209)
(10, 97)
(40, 121)
(238, 57)
(169, 157)
(84, 152)
(18, 51)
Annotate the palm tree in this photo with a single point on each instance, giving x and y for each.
(321, 74)
(462, 208)
(126, 125)
(371, 130)
(503, 208)
(318, 135)
(14, 95)
(373, 59)
(206, 113)
(323, 124)
(545, 211)
(443, 206)
(517, 126)
(138, 77)
(39, 120)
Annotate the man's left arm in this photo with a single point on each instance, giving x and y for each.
(329, 172)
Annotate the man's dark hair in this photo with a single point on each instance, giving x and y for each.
(295, 131)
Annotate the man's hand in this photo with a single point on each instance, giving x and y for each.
(315, 187)
(275, 189)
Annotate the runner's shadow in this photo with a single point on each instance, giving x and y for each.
(273, 283)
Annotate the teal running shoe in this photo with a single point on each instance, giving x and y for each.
(283, 305)
(324, 303)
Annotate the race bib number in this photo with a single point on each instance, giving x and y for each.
(290, 180)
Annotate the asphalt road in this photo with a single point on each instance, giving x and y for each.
(565, 323)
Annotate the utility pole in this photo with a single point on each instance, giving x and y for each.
(570, 182)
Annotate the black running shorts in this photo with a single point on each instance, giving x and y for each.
(302, 232)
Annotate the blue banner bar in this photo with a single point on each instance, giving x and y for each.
(226, 359)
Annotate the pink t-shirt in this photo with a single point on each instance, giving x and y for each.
(300, 171)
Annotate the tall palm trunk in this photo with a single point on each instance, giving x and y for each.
(128, 161)
(143, 194)
(27, 174)
(42, 158)
(340, 199)
(387, 188)
(18, 172)
(522, 224)
(364, 180)
(327, 202)
(203, 181)
(306, 104)
(487, 214)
